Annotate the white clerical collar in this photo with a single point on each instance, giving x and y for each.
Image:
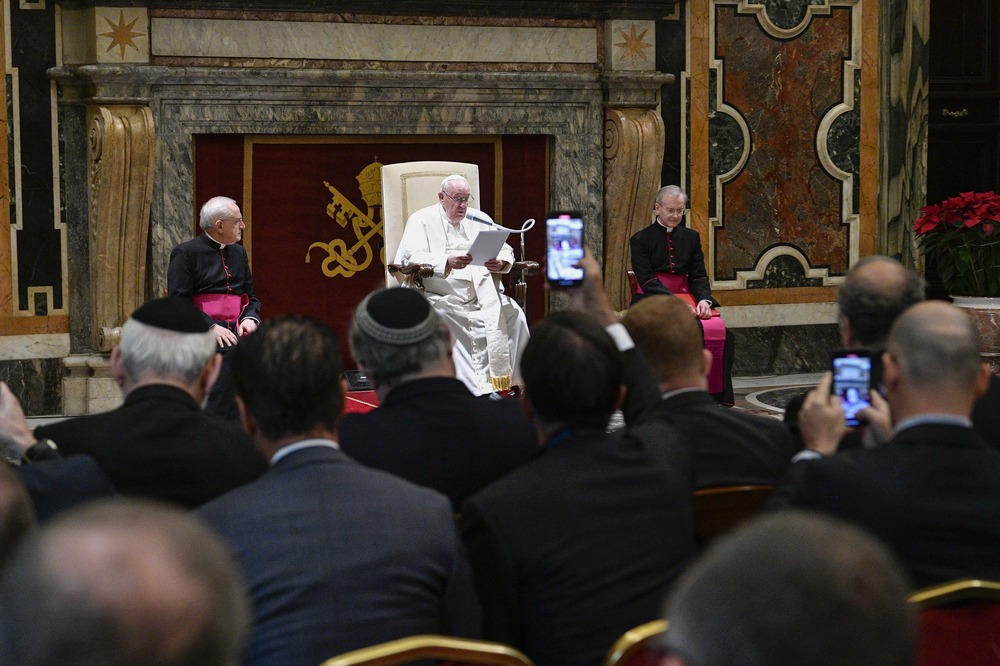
(222, 246)
(670, 230)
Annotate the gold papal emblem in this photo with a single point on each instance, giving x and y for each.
(348, 260)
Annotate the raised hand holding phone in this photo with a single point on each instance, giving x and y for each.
(564, 249)
(852, 381)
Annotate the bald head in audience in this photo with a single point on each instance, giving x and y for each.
(931, 362)
(122, 583)
(791, 589)
(876, 290)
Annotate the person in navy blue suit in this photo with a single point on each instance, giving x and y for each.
(336, 556)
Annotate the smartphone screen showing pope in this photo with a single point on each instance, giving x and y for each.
(852, 381)
(564, 243)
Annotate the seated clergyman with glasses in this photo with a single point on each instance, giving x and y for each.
(667, 259)
(488, 329)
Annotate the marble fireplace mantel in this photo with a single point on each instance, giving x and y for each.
(571, 108)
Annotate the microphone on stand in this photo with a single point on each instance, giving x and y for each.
(528, 224)
(481, 220)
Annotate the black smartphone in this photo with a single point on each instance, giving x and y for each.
(564, 249)
(852, 381)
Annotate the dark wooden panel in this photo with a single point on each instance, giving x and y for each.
(961, 161)
(578, 9)
(963, 46)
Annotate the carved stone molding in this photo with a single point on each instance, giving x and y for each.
(121, 158)
(633, 155)
(579, 9)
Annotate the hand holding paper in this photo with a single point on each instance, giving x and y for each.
(487, 245)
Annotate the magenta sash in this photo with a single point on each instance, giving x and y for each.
(222, 307)
(714, 328)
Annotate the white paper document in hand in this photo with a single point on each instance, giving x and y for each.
(487, 245)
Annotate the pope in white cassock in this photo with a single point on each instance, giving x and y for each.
(488, 329)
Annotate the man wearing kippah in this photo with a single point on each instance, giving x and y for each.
(429, 428)
(213, 272)
(488, 329)
(159, 444)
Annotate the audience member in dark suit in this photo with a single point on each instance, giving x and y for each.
(54, 483)
(986, 414)
(336, 556)
(792, 589)
(875, 292)
(730, 447)
(932, 492)
(581, 544)
(123, 583)
(429, 428)
(159, 444)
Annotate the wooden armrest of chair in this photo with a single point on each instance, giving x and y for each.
(413, 274)
(525, 268)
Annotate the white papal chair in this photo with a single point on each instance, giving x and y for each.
(409, 186)
(406, 188)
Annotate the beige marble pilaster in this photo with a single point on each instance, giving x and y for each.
(120, 187)
(633, 157)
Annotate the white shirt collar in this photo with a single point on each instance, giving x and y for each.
(303, 444)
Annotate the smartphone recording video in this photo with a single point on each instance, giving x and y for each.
(852, 381)
(564, 243)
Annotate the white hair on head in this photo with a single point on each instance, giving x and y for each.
(216, 208)
(671, 191)
(452, 177)
(148, 351)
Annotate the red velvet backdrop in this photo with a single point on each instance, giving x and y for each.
(287, 211)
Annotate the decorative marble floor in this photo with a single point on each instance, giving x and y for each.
(769, 394)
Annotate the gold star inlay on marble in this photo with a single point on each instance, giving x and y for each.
(121, 34)
(634, 46)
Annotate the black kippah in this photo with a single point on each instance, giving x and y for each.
(172, 314)
(396, 316)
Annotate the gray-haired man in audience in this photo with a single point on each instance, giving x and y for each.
(429, 429)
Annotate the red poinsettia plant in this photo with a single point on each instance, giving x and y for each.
(962, 236)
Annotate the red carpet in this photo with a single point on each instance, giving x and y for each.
(359, 402)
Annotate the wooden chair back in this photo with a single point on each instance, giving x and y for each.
(406, 188)
(718, 510)
(453, 651)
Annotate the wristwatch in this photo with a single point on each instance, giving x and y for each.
(42, 449)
